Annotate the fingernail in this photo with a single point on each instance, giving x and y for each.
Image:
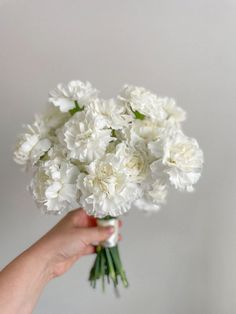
(110, 230)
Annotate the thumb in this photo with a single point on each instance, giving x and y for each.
(96, 234)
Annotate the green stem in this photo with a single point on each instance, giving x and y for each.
(122, 271)
(102, 269)
(110, 265)
(76, 108)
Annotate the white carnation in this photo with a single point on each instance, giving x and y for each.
(112, 111)
(183, 159)
(65, 96)
(143, 131)
(54, 118)
(153, 197)
(142, 100)
(85, 137)
(106, 189)
(155, 189)
(54, 186)
(135, 161)
(174, 113)
(33, 144)
(57, 153)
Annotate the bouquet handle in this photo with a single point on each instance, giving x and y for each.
(108, 262)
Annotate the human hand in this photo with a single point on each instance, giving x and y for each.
(22, 280)
(72, 238)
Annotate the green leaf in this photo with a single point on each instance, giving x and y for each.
(139, 115)
(76, 109)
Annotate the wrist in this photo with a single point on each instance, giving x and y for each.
(42, 256)
(23, 280)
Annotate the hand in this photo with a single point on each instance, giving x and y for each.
(22, 281)
(72, 238)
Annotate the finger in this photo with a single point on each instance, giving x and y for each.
(90, 249)
(120, 223)
(80, 218)
(85, 220)
(119, 239)
(95, 234)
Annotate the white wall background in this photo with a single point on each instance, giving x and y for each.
(183, 259)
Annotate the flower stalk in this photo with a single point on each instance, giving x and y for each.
(108, 264)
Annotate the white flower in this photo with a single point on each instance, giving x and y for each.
(153, 197)
(33, 144)
(85, 137)
(174, 113)
(108, 155)
(135, 161)
(143, 131)
(142, 100)
(154, 189)
(183, 160)
(65, 96)
(53, 118)
(54, 186)
(106, 189)
(112, 111)
(57, 153)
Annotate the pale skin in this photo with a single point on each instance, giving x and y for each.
(23, 280)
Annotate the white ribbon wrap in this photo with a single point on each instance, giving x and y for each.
(113, 239)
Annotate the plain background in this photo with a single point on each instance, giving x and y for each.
(181, 260)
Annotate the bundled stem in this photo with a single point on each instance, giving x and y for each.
(107, 264)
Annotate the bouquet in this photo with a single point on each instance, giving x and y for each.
(107, 156)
